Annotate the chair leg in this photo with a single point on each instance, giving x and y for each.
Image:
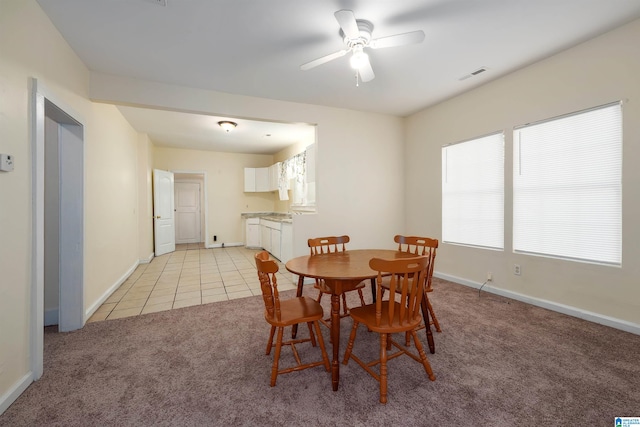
(270, 343)
(276, 357)
(345, 309)
(325, 358)
(311, 334)
(433, 316)
(423, 356)
(352, 338)
(383, 368)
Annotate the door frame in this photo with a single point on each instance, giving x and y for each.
(38, 94)
(204, 210)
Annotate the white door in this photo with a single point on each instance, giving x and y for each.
(187, 199)
(163, 224)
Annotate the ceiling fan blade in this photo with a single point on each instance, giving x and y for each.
(366, 71)
(347, 21)
(398, 40)
(322, 60)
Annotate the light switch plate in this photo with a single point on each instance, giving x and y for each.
(6, 162)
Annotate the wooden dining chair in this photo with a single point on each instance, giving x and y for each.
(391, 316)
(423, 246)
(282, 313)
(327, 245)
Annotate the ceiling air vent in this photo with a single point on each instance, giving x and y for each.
(473, 73)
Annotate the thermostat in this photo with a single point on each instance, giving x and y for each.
(6, 162)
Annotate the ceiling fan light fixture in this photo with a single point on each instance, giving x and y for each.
(227, 125)
(359, 58)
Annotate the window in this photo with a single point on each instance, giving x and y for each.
(299, 172)
(473, 192)
(567, 186)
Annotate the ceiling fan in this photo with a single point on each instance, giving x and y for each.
(356, 34)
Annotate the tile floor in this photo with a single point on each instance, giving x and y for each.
(192, 275)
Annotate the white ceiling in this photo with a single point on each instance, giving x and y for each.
(256, 47)
(202, 132)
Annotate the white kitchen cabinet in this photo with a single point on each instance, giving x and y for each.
(256, 179)
(274, 176)
(265, 237)
(249, 180)
(253, 233)
(270, 234)
(262, 179)
(275, 243)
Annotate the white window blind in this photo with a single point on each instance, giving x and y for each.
(473, 192)
(567, 187)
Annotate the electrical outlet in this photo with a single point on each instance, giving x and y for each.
(516, 269)
(489, 276)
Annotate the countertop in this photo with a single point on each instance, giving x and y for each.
(271, 216)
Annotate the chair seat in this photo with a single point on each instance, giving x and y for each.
(367, 316)
(296, 310)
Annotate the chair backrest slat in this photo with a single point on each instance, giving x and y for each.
(326, 245)
(267, 269)
(424, 246)
(407, 280)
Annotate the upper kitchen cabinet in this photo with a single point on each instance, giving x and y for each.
(274, 176)
(262, 179)
(249, 180)
(256, 180)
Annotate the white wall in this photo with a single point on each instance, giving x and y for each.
(359, 165)
(597, 72)
(226, 198)
(111, 201)
(31, 47)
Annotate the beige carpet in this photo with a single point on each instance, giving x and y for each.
(497, 362)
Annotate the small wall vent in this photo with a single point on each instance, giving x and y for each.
(473, 73)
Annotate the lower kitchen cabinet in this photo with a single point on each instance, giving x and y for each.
(265, 237)
(253, 233)
(277, 238)
(286, 242)
(275, 243)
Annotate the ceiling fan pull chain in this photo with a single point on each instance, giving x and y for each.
(357, 81)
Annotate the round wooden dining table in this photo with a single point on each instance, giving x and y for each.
(342, 272)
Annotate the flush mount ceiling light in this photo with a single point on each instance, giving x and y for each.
(227, 125)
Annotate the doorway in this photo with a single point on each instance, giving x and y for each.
(187, 197)
(190, 207)
(58, 220)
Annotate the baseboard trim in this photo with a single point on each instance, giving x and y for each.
(96, 305)
(612, 322)
(146, 260)
(226, 245)
(14, 392)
